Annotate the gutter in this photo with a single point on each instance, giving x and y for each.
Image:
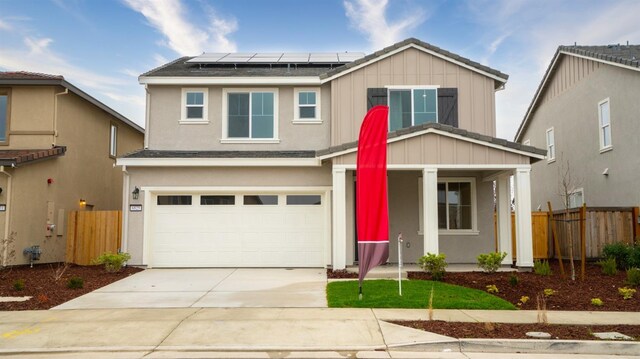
(55, 115)
(7, 217)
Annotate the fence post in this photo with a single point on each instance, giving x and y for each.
(583, 239)
(635, 225)
(556, 244)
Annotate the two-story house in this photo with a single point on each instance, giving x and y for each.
(250, 159)
(58, 147)
(585, 112)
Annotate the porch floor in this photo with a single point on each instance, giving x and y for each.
(391, 270)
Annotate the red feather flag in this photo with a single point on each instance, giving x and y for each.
(372, 209)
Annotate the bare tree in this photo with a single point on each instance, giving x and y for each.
(567, 187)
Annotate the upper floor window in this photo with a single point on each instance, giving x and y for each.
(4, 116)
(410, 107)
(194, 106)
(113, 141)
(250, 114)
(306, 105)
(605, 125)
(551, 145)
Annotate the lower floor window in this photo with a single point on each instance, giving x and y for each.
(454, 205)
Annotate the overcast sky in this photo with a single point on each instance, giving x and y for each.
(102, 46)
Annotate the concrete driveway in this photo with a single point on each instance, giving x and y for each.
(210, 287)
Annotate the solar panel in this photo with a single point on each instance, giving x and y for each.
(280, 58)
(349, 56)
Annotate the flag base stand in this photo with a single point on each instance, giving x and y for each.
(360, 292)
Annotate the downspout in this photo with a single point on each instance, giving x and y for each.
(125, 212)
(55, 115)
(7, 218)
(146, 116)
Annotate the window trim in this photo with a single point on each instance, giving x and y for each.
(225, 119)
(296, 99)
(7, 92)
(113, 140)
(574, 191)
(411, 88)
(474, 210)
(205, 107)
(609, 147)
(551, 159)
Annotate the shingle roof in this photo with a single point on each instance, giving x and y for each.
(33, 78)
(15, 158)
(626, 55)
(441, 127)
(219, 154)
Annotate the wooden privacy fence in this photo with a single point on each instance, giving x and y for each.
(540, 234)
(91, 233)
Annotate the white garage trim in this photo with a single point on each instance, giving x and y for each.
(150, 194)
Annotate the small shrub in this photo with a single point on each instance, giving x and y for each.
(491, 288)
(541, 267)
(524, 299)
(490, 262)
(513, 280)
(75, 283)
(548, 292)
(18, 284)
(608, 266)
(434, 264)
(620, 251)
(597, 302)
(634, 256)
(626, 293)
(112, 262)
(633, 277)
(42, 298)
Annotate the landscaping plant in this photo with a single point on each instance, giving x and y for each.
(597, 302)
(548, 292)
(524, 299)
(626, 293)
(633, 277)
(541, 267)
(75, 283)
(18, 284)
(491, 288)
(112, 262)
(434, 264)
(490, 262)
(620, 252)
(513, 279)
(608, 266)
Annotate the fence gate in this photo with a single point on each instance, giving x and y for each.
(91, 233)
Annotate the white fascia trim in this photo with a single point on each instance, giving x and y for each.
(400, 49)
(442, 133)
(443, 167)
(219, 162)
(602, 61)
(235, 189)
(186, 80)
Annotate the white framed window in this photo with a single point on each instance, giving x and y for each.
(410, 106)
(194, 106)
(113, 140)
(457, 209)
(551, 145)
(576, 198)
(306, 108)
(604, 119)
(250, 115)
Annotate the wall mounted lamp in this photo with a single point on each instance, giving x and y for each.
(83, 202)
(136, 193)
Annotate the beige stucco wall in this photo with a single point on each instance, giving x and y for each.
(476, 96)
(213, 177)
(438, 149)
(31, 118)
(86, 171)
(166, 133)
(573, 112)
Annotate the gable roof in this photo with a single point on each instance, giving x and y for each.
(625, 56)
(438, 128)
(34, 78)
(185, 68)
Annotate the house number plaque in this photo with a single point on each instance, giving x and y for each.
(3, 207)
(135, 208)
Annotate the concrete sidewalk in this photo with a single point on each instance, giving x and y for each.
(166, 332)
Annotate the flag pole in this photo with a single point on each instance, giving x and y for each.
(400, 263)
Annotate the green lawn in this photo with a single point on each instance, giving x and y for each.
(415, 294)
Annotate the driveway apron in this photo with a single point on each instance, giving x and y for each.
(211, 287)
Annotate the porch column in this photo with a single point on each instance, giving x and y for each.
(430, 209)
(524, 240)
(504, 218)
(339, 220)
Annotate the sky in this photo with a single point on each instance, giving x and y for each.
(102, 46)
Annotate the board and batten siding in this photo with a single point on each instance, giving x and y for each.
(567, 74)
(412, 67)
(437, 149)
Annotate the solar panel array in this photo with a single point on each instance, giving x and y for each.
(277, 58)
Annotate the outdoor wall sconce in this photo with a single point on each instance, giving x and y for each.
(0, 189)
(82, 202)
(136, 192)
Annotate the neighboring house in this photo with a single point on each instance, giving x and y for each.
(249, 159)
(586, 112)
(57, 147)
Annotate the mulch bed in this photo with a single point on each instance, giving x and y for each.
(568, 295)
(518, 331)
(46, 292)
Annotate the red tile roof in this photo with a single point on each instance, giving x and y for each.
(16, 158)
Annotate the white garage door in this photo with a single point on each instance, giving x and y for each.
(238, 230)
